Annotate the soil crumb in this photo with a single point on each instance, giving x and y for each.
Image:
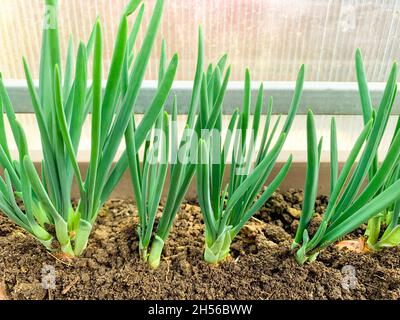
(262, 265)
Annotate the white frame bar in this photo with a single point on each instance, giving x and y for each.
(324, 98)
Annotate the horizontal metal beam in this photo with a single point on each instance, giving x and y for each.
(324, 98)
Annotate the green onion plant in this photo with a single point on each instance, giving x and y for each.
(149, 180)
(383, 230)
(227, 208)
(363, 190)
(61, 105)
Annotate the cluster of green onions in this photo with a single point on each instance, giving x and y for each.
(61, 106)
(227, 209)
(63, 101)
(351, 204)
(149, 180)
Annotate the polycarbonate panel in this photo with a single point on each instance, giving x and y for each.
(272, 37)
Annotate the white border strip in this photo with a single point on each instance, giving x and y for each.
(324, 98)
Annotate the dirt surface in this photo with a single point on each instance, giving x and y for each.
(262, 265)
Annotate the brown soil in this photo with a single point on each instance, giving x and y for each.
(262, 265)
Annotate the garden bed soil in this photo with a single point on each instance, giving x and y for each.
(261, 265)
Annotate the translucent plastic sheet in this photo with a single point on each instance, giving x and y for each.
(271, 37)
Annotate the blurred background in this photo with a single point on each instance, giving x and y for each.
(271, 37)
